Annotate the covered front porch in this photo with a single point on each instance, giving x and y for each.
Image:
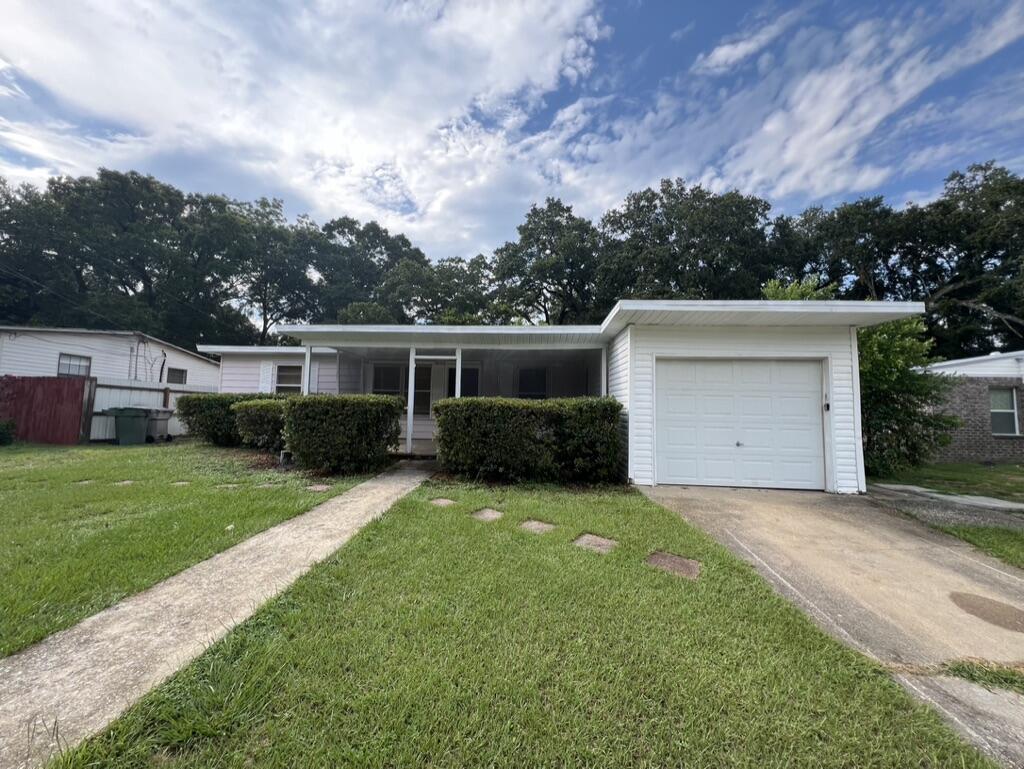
(433, 363)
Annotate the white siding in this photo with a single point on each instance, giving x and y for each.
(994, 366)
(830, 344)
(618, 387)
(113, 356)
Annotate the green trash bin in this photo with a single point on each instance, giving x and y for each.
(130, 424)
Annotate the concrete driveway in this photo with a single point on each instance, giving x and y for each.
(886, 585)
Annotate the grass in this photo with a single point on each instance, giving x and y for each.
(1005, 544)
(988, 675)
(433, 639)
(999, 481)
(70, 549)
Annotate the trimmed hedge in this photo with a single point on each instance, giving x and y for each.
(260, 423)
(6, 432)
(209, 417)
(566, 439)
(342, 433)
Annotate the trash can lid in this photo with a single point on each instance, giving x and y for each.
(159, 413)
(126, 411)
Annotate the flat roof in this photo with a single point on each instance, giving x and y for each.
(108, 332)
(977, 359)
(627, 312)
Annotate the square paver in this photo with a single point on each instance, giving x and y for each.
(537, 527)
(487, 514)
(124, 483)
(593, 542)
(318, 487)
(442, 502)
(674, 564)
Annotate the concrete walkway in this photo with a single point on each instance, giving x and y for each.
(74, 683)
(949, 509)
(888, 586)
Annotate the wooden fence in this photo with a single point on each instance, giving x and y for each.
(48, 409)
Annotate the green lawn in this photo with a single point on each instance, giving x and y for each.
(1000, 481)
(70, 549)
(1005, 544)
(435, 639)
(989, 675)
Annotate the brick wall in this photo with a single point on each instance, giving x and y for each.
(974, 441)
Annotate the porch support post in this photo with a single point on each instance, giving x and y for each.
(307, 370)
(604, 371)
(337, 371)
(458, 372)
(410, 400)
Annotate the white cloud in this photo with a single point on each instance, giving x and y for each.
(726, 56)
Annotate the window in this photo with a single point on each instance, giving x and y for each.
(533, 383)
(289, 379)
(470, 382)
(387, 380)
(177, 376)
(73, 365)
(1003, 410)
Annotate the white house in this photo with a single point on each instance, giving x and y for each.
(130, 368)
(986, 397)
(737, 393)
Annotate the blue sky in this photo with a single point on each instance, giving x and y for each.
(446, 120)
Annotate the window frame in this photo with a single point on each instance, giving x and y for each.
(289, 388)
(400, 392)
(536, 396)
(1013, 401)
(88, 367)
(182, 371)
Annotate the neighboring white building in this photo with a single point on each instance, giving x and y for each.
(735, 393)
(130, 368)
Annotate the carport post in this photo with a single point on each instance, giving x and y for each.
(410, 400)
(458, 372)
(307, 373)
(604, 371)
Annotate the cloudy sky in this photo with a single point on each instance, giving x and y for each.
(445, 120)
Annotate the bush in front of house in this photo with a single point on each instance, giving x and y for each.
(260, 423)
(6, 432)
(208, 416)
(567, 439)
(342, 433)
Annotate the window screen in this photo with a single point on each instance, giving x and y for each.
(177, 376)
(470, 382)
(73, 365)
(533, 383)
(289, 379)
(421, 406)
(1003, 410)
(387, 380)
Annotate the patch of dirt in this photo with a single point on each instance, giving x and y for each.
(537, 527)
(674, 564)
(601, 545)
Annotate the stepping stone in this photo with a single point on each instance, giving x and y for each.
(487, 514)
(181, 483)
(319, 487)
(537, 527)
(124, 483)
(268, 485)
(227, 485)
(85, 482)
(593, 542)
(674, 564)
(442, 502)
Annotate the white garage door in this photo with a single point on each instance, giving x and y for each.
(740, 423)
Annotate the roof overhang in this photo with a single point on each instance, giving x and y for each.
(627, 312)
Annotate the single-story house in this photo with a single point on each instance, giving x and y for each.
(130, 368)
(732, 393)
(986, 396)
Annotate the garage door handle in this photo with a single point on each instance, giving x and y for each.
(738, 443)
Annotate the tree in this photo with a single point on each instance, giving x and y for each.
(548, 274)
(805, 289)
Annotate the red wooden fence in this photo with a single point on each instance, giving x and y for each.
(47, 409)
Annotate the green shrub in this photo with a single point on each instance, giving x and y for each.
(208, 416)
(567, 439)
(6, 432)
(260, 423)
(342, 433)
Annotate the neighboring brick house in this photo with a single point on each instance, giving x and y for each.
(987, 398)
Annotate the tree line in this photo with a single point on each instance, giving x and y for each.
(125, 250)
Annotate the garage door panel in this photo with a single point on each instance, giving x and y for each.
(772, 409)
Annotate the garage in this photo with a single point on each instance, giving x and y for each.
(740, 422)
